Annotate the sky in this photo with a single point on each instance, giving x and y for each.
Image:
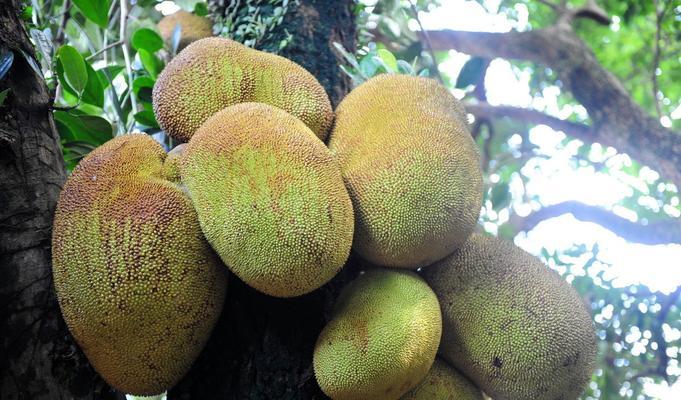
(556, 180)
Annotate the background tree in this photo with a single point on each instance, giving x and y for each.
(602, 79)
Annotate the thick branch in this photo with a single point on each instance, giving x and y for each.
(486, 110)
(663, 232)
(617, 120)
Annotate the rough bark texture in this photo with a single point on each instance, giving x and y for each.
(38, 358)
(262, 346)
(662, 232)
(617, 120)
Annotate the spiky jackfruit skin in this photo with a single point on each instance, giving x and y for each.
(192, 27)
(382, 337)
(270, 198)
(444, 383)
(214, 73)
(411, 167)
(138, 285)
(511, 324)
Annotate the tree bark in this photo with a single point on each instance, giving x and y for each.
(617, 120)
(261, 347)
(38, 358)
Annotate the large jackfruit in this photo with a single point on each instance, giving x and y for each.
(270, 198)
(192, 27)
(214, 73)
(511, 324)
(382, 338)
(444, 383)
(138, 285)
(411, 167)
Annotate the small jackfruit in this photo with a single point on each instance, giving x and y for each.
(270, 198)
(411, 167)
(512, 325)
(192, 27)
(138, 285)
(382, 337)
(214, 73)
(444, 383)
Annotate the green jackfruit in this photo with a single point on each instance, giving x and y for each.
(192, 28)
(444, 383)
(270, 198)
(138, 285)
(214, 73)
(511, 324)
(411, 167)
(382, 338)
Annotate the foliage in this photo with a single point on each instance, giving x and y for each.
(252, 23)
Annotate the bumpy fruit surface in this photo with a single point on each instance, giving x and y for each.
(382, 338)
(138, 285)
(444, 383)
(270, 198)
(411, 167)
(192, 27)
(511, 324)
(214, 73)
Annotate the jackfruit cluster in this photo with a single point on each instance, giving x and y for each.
(399, 183)
(191, 28)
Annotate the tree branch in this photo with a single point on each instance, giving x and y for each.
(617, 120)
(575, 129)
(663, 232)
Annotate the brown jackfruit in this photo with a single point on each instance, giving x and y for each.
(214, 73)
(192, 28)
(138, 285)
(512, 325)
(382, 338)
(411, 167)
(270, 198)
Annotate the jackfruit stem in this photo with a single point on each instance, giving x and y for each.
(162, 396)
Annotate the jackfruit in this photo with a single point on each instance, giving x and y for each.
(214, 73)
(444, 383)
(138, 285)
(270, 198)
(411, 167)
(382, 337)
(192, 28)
(512, 325)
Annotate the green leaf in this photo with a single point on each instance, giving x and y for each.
(500, 196)
(82, 127)
(96, 11)
(470, 73)
(146, 39)
(3, 96)
(146, 118)
(201, 9)
(75, 72)
(99, 128)
(368, 67)
(389, 59)
(94, 91)
(152, 64)
(112, 70)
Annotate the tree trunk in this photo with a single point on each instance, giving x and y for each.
(261, 347)
(38, 358)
